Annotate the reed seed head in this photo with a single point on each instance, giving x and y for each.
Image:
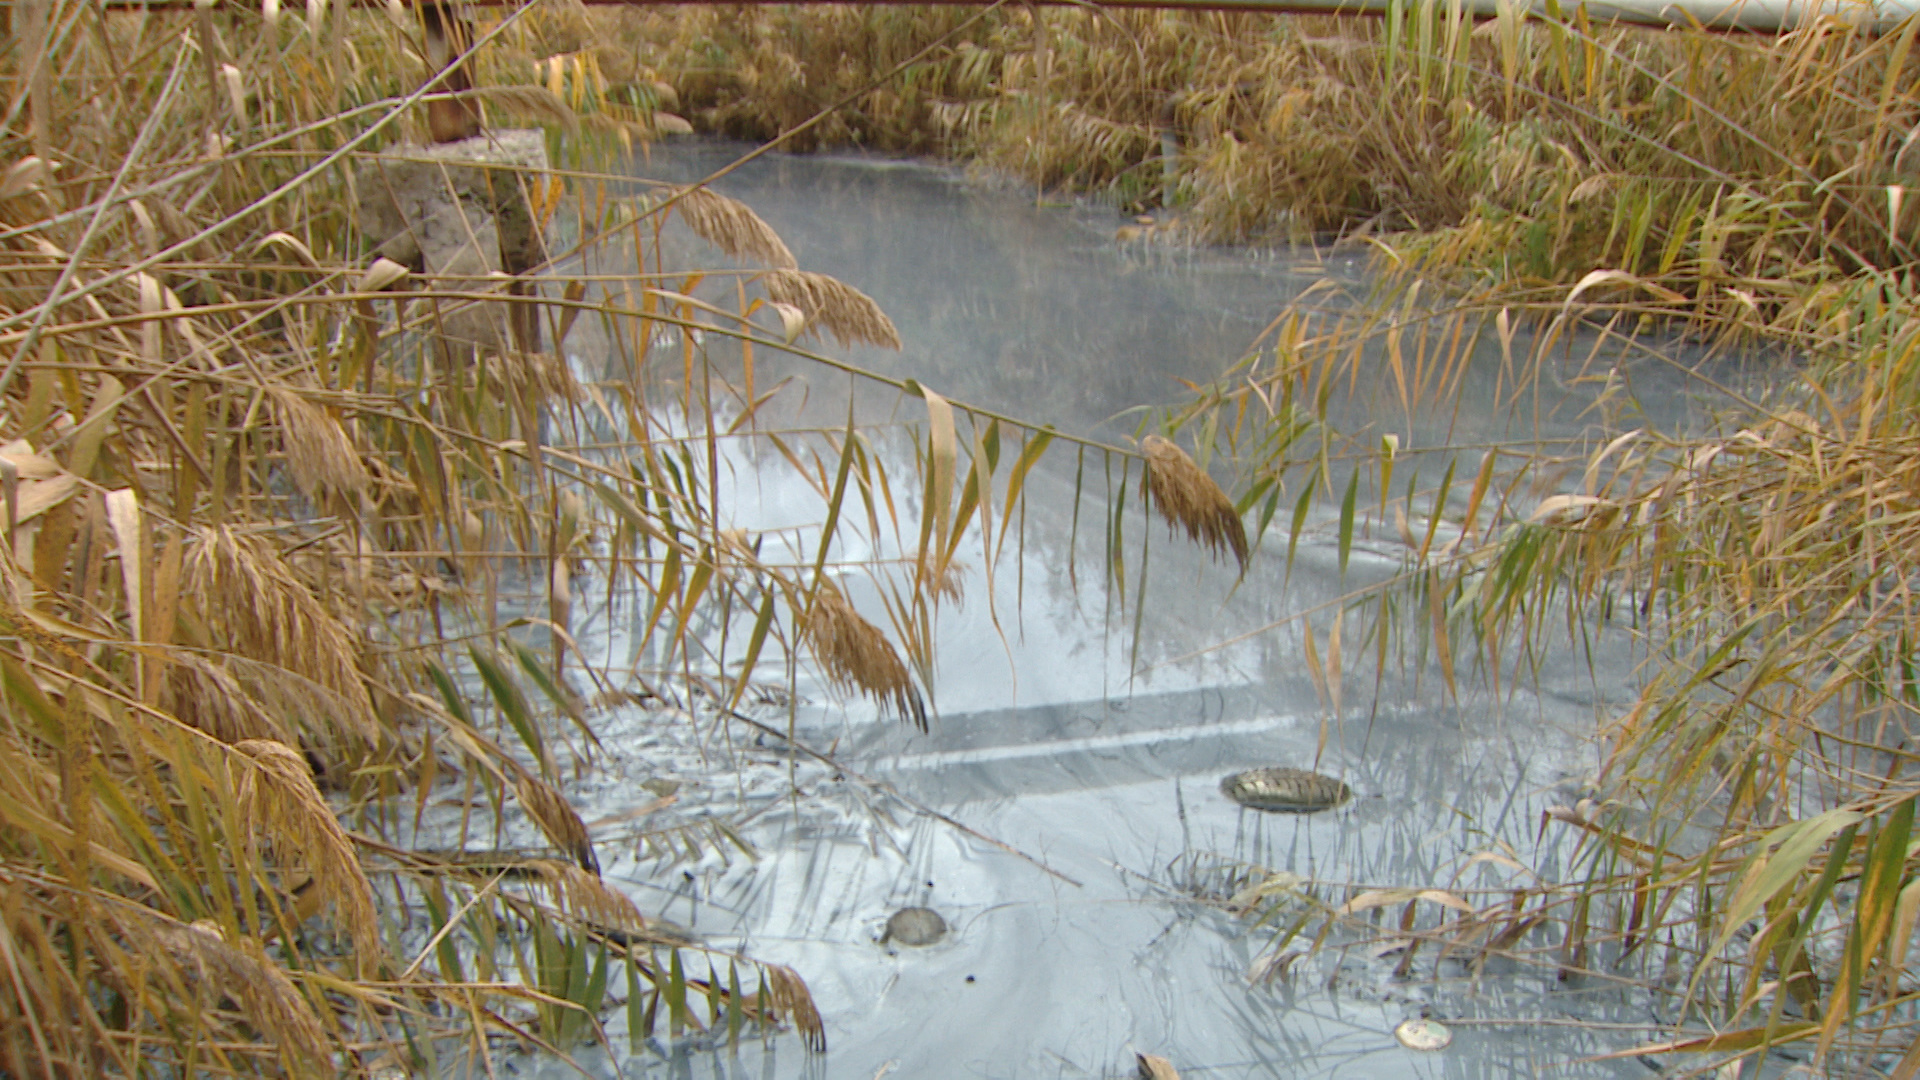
(843, 311)
(319, 453)
(557, 819)
(733, 227)
(857, 656)
(276, 796)
(1187, 497)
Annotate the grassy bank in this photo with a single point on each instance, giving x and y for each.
(1746, 180)
(289, 573)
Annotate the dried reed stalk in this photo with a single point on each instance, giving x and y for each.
(841, 310)
(787, 993)
(733, 227)
(1186, 496)
(857, 656)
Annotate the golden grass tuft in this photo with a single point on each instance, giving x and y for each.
(274, 790)
(206, 695)
(841, 310)
(319, 453)
(581, 893)
(733, 227)
(1187, 497)
(192, 978)
(556, 818)
(263, 613)
(857, 656)
(238, 971)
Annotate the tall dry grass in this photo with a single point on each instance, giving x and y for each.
(270, 526)
(271, 529)
(1746, 179)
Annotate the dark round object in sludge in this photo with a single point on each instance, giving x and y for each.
(1284, 790)
(915, 926)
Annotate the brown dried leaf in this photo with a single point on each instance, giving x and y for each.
(1153, 1067)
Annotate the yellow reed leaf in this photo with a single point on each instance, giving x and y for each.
(123, 514)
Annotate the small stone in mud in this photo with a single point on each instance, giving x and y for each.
(1285, 790)
(915, 926)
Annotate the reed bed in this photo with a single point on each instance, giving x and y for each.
(300, 524)
(1746, 853)
(1744, 179)
(289, 552)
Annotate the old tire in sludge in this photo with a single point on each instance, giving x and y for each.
(915, 926)
(1282, 790)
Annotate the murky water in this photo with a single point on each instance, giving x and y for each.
(1080, 739)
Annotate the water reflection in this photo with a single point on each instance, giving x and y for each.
(1081, 734)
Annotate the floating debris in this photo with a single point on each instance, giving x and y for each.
(1294, 791)
(1422, 1034)
(1153, 1067)
(915, 926)
(1273, 966)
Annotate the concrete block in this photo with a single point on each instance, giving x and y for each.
(461, 211)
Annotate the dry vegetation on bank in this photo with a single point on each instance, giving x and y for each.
(289, 568)
(1747, 179)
